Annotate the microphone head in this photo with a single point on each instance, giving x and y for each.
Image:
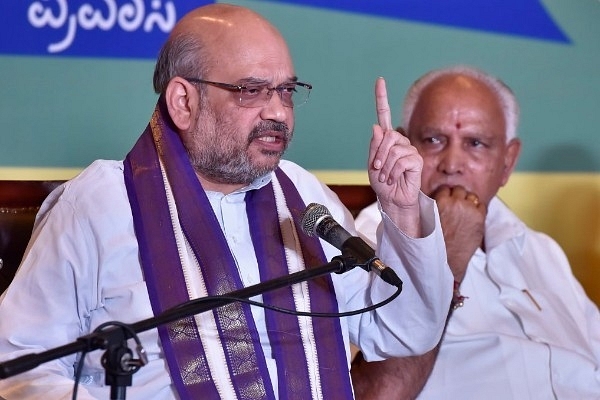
(311, 217)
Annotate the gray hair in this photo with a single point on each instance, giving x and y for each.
(183, 55)
(504, 94)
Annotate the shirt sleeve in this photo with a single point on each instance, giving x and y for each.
(413, 323)
(367, 222)
(81, 269)
(53, 316)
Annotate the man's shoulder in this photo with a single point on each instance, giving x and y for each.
(292, 169)
(102, 170)
(504, 223)
(98, 177)
(100, 182)
(301, 177)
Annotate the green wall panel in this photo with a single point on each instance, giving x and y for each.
(67, 111)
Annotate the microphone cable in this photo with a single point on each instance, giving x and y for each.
(287, 310)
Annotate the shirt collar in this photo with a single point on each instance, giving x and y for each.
(255, 184)
(502, 225)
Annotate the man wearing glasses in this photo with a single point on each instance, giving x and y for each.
(204, 205)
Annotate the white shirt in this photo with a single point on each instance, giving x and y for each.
(527, 329)
(82, 269)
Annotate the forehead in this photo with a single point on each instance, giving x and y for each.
(459, 101)
(243, 49)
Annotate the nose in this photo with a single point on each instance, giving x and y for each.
(452, 160)
(274, 109)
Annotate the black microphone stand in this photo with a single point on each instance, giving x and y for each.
(117, 360)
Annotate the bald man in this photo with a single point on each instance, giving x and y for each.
(521, 326)
(204, 205)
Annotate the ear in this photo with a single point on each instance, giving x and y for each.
(182, 100)
(513, 149)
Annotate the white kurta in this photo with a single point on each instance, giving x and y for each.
(82, 269)
(527, 329)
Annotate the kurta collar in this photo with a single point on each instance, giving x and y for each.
(502, 225)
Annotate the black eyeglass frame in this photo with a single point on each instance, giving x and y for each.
(238, 88)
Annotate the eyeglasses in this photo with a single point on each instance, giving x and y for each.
(291, 94)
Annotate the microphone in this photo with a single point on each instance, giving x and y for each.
(317, 221)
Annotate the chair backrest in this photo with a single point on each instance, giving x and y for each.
(19, 203)
(354, 197)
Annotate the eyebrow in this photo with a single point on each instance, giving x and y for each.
(260, 81)
(472, 135)
(429, 131)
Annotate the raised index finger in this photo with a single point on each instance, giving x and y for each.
(384, 116)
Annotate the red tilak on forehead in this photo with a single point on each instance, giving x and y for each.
(457, 125)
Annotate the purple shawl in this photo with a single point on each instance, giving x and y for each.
(238, 334)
